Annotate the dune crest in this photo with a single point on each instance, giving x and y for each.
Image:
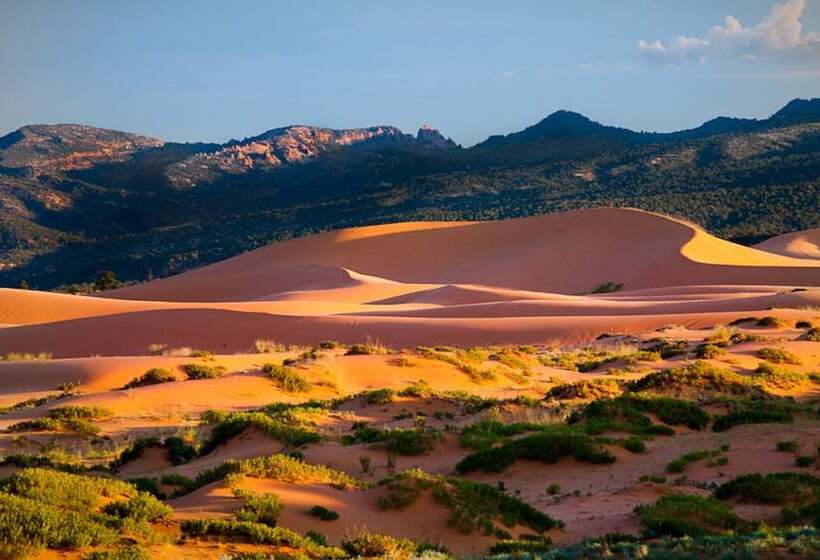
(800, 244)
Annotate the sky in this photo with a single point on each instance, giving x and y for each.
(214, 70)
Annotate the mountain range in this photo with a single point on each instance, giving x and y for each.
(76, 200)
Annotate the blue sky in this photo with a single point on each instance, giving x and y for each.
(200, 70)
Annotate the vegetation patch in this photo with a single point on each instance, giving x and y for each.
(203, 371)
(680, 515)
(323, 513)
(153, 376)
(232, 424)
(287, 378)
(547, 446)
(755, 412)
(779, 356)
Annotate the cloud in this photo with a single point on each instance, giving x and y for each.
(779, 35)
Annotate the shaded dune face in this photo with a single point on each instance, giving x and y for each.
(526, 280)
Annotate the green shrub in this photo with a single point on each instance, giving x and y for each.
(707, 351)
(140, 507)
(679, 465)
(379, 396)
(755, 413)
(257, 533)
(553, 489)
(258, 508)
(288, 469)
(179, 450)
(548, 446)
(634, 444)
(523, 545)
(287, 378)
(372, 545)
(668, 348)
(233, 424)
(416, 441)
(804, 460)
(153, 376)
(681, 515)
(779, 356)
(203, 371)
(122, 553)
(696, 377)
(487, 433)
(135, 451)
(789, 446)
(323, 513)
(608, 288)
(785, 488)
(773, 322)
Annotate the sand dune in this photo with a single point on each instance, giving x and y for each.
(799, 244)
(423, 283)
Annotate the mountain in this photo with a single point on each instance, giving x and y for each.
(75, 200)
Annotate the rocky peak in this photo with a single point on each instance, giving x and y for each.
(65, 147)
(272, 149)
(429, 136)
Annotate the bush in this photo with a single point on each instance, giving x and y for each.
(410, 441)
(548, 446)
(203, 371)
(779, 356)
(140, 507)
(323, 513)
(789, 446)
(379, 396)
(287, 378)
(608, 287)
(259, 508)
(263, 346)
(696, 377)
(634, 444)
(153, 376)
(774, 488)
(773, 322)
(679, 465)
(487, 433)
(680, 515)
(289, 469)
(235, 423)
(707, 351)
(123, 553)
(372, 545)
(257, 533)
(804, 460)
(135, 451)
(755, 413)
(179, 450)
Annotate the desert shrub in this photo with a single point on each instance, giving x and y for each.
(415, 441)
(707, 351)
(122, 553)
(264, 346)
(788, 446)
(328, 344)
(813, 334)
(681, 515)
(773, 322)
(372, 545)
(286, 378)
(679, 465)
(289, 469)
(634, 444)
(418, 389)
(778, 377)
(371, 347)
(804, 460)
(149, 485)
(26, 356)
(585, 389)
(779, 356)
(755, 413)
(608, 287)
(523, 545)
(668, 348)
(79, 412)
(153, 376)
(27, 525)
(487, 433)
(140, 507)
(257, 533)
(323, 513)
(775, 488)
(378, 396)
(203, 371)
(235, 423)
(179, 450)
(627, 413)
(695, 377)
(258, 508)
(547, 446)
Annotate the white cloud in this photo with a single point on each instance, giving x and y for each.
(780, 34)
